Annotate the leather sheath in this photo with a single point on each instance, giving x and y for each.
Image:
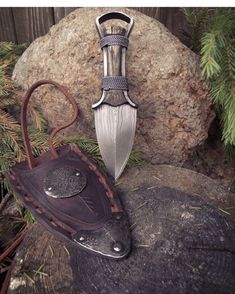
(71, 196)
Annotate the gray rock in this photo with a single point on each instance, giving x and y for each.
(165, 80)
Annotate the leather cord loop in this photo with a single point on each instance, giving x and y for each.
(28, 149)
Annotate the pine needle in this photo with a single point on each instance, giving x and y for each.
(37, 117)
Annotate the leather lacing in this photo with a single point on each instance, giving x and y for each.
(28, 198)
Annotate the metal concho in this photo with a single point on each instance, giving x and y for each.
(64, 182)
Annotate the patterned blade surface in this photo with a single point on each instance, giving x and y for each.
(115, 131)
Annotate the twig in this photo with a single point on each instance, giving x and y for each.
(117, 184)
(153, 187)
(195, 207)
(143, 245)
(39, 272)
(66, 250)
(134, 189)
(52, 253)
(141, 205)
(6, 281)
(13, 246)
(224, 211)
(4, 201)
(29, 278)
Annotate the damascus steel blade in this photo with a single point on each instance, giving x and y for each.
(115, 131)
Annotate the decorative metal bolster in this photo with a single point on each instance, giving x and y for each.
(114, 40)
(115, 83)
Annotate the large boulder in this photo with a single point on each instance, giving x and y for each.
(165, 80)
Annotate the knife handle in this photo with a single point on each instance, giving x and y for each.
(114, 42)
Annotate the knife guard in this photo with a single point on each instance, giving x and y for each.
(114, 42)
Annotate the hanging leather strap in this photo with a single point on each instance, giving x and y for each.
(28, 149)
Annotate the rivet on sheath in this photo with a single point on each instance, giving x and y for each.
(117, 247)
(118, 216)
(81, 238)
(49, 188)
(77, 174)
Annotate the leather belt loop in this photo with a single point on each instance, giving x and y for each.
(25, 135)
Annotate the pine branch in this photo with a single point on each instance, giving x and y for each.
(87, 144)
(6, 161)
(210, 54)
(37, 117)
(218, 66)
(9, 54)
(10, 129)
(92, 148)
(7, 88)
(6, 102)
(197, 19)
(38, 140)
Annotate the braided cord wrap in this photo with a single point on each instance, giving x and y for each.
(115, 83)
(114, 40)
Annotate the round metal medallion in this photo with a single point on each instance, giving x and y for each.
(64, 182)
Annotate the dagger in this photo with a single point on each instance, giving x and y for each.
(115, 113)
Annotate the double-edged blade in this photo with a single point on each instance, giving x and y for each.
(115, 131)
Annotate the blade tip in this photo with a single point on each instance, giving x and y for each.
(117, 175)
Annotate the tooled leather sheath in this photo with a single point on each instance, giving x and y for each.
(73, 199)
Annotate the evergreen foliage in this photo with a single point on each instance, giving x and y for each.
(11, 145)
(215, 40)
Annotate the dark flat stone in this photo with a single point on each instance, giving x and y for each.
(183, 242)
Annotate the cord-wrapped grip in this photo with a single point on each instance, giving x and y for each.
(115, 83)
(114, 40)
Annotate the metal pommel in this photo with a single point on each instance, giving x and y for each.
(114, 15)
